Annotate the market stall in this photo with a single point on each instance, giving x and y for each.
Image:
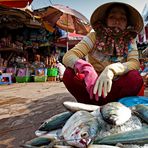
(22, 37)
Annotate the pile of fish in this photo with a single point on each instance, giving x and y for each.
(109, 126)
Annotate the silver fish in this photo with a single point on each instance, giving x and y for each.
(115, 113)
(89, 146)
(139, 136)
(101, 126)
(109, 121)
(50, 134)
(55, 122)
(80, 129)
(141, 111)
(75, 106)
(101, 146)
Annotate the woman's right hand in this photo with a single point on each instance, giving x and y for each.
(90, 75)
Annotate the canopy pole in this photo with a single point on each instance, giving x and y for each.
(67, 35)
(67, 46)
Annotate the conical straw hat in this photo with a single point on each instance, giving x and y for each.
(135, 17)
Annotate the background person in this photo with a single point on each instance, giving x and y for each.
(37, 62)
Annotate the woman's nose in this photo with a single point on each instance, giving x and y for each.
(117, 21)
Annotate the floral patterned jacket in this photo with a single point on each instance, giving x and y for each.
(86, 48)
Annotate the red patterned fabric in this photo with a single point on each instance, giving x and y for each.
(110, 38)
(127, 85)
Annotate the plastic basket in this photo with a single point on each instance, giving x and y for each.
(134, 100)
(40, 78)
(23, 79)
(52, 72)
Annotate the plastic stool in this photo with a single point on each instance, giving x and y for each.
(6, 75)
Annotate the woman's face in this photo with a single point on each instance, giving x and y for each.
(117, 18)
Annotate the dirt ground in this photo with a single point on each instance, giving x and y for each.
(24, 106)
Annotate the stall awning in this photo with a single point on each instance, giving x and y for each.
(15, 3)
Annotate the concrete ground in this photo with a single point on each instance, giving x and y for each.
(24, 106)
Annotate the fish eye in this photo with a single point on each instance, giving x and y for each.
(84, 135)
(45, 123)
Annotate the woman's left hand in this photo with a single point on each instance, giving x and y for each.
(104, 83)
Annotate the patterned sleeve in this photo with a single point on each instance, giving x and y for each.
(133, 57)
(80, 50)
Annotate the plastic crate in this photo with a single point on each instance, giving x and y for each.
(52, 72)
(23, 79)
(40, 78)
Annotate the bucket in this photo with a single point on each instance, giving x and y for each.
(52, 72)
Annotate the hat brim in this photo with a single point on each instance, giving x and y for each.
(135, 17)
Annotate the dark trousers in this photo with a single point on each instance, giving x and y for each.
(127, 85)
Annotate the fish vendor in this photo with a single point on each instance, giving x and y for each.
(104, 66)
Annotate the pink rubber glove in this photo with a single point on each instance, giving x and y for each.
(90, 75)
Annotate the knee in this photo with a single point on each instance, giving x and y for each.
(68, 74)
(135, 77)
(134, 74)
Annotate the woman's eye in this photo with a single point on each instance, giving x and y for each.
(110, 17)
(123, 19)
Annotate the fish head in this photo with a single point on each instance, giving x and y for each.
(43, 126)
(114, 113)
(82, 135)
